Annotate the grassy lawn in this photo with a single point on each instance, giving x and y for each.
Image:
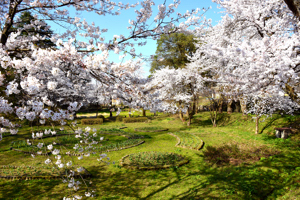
(274, 176)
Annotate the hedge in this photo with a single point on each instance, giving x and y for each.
(92, 121)
(135, 119)
(119, 118)
(101, 116)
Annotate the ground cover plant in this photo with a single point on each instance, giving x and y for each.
(270, 177)
(152, 160)
(119, 145)
(31, 172)
(188, 140)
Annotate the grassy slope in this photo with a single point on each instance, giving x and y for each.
(267, 179)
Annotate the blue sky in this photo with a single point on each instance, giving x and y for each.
(117, 25)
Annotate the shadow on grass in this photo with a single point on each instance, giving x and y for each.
(199, 122)
(267, 178)
(270, 123)
(33, 189)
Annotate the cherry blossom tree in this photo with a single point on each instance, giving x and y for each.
(178, 89)
(254, 51)
(60, 75)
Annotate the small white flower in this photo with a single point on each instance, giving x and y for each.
(33, 155)
(80, 157)
(47, 132)
(61, 165)
(40, 145)
(88, 194)
(103, 155)
(78, 197)
(95, 135)
(94, 130)
(53, 132)
(28, 142)
(80, 169)
(58, 162)
(50, 147)
(87, 129)
(70, 185)
(101, 138)
(13, 131)
(48, 161)
(69, 164)
(58, 157)
(55, 152)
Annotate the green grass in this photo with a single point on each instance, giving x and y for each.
(273, 177)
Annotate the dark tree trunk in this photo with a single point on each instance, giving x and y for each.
(129, 112)
(229, 108)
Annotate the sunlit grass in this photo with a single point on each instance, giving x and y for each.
(268, 178)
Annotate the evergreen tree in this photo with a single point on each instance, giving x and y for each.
(172, 51)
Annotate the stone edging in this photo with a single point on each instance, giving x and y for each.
(185, 161)
(122, 148)
(123, 127)
(161, 130)
(178, 143)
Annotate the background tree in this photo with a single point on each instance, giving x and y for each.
(172, 50)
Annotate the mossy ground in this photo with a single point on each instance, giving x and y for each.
(276, 177)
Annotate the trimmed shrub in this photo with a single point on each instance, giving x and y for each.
(135, 119)
(92, 121)
(119, 119)
(101, 116)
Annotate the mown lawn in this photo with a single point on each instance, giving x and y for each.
(270, 177)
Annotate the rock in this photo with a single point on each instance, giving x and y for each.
(285, 134)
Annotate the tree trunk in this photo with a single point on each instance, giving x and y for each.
(237, 106)
(220, 108)
(215, 118)
(243, 106)
(144, 112)
(129, 112)
(256, 125)
(196, 106)
(97, 110)
(192, 111)
(229, 108)
(181, 116)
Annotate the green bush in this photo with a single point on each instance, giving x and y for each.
(92, 121)
(135, 119)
